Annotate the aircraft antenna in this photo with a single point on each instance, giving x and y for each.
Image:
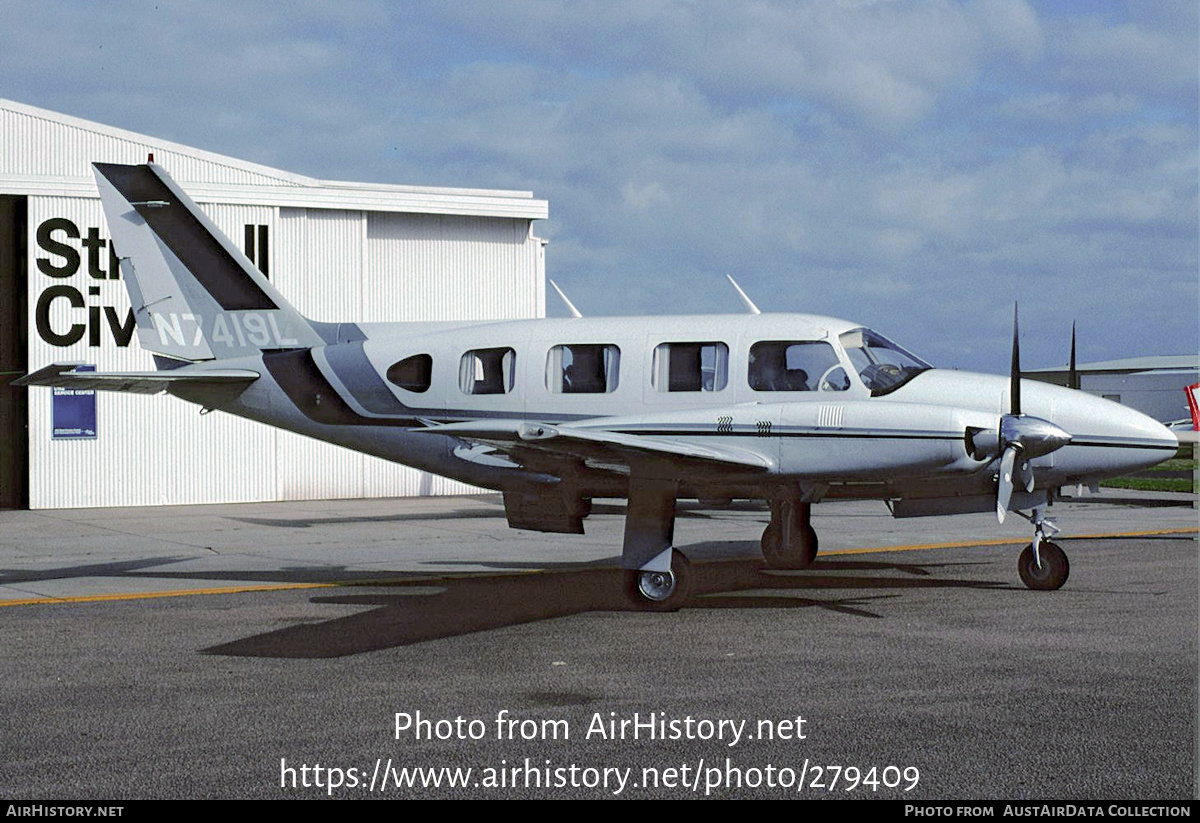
(570, 306)
(746, 301)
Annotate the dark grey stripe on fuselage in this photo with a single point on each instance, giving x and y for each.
(1121, 443)
(800, 432)
(349, 362)
(778, 431)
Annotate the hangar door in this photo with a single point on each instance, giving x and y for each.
(14, 430)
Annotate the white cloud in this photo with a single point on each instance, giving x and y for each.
(913, 165)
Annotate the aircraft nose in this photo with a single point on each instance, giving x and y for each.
(1109, 439)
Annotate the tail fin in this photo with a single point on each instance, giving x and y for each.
(195, 296)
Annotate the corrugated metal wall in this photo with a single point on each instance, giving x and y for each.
(148, 450)
(319, 262)
(332, 265)
(42, 146)
(449, 267)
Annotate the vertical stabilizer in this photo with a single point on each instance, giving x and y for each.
(195, 295)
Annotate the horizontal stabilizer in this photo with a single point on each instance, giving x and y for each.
(65, 375)
(598, 444)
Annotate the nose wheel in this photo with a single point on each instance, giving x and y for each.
(1043, 565)
(1045, 570)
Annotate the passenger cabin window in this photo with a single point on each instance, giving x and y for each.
(796, 366)
(680, 367)
(412, 373)
(583, 368)
(487, 371)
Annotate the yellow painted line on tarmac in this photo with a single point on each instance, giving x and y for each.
(97, 598)
(1009, 542)
(279, 587)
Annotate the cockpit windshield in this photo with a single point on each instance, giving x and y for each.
(882, 365)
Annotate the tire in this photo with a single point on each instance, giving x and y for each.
(1053, 573)
(660, 591)
(800, 558)
(771, 538)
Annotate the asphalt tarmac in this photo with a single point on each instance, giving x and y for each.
(373, 648)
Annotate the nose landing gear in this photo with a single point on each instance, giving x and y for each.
(1043, 565)
(1044, 570)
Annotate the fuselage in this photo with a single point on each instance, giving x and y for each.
(823, 400)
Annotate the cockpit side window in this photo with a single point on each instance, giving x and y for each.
(690, 367)
(487, 371)
(882, 365)
(583, 368)
(785, 365)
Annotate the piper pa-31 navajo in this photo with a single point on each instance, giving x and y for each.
(791, 409)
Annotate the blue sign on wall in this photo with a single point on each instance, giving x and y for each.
(74, 412)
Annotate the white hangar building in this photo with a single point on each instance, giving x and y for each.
(1153, 385)
(355, 252)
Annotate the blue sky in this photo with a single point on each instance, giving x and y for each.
(915, 166)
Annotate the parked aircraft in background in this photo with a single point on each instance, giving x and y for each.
(788, 408)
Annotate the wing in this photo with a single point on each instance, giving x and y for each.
(65, 375)
(602, 448)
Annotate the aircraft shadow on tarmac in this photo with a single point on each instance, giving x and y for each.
(325, 520)
(116, 568)
(487, 507)
(460, 605)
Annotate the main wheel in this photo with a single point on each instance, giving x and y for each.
(772, 536)
(803, 549)
(663, 591)
(1054, 571)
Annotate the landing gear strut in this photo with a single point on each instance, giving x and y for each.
(1043, 565)
(656, 575)
(789, 541)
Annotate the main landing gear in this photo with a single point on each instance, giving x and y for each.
(789, 541)
(1043, 565)
(657, 576)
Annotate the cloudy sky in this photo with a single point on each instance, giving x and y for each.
(915, 166)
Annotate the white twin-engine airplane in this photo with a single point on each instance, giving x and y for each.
(787, 408)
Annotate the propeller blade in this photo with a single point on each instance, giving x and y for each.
(1005, 488)
(1014, 386)
(1072, 374)
(1025, 475)
(1020, 436)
